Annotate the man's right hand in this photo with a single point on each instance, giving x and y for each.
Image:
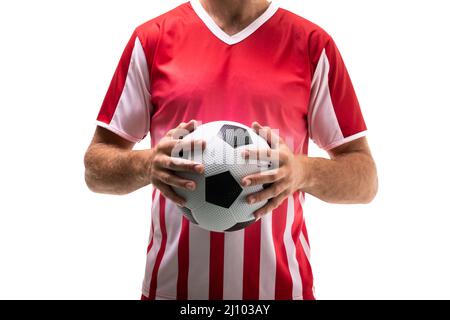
(163, 167)
(113, 167)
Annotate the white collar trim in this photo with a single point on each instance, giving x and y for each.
(241, 35)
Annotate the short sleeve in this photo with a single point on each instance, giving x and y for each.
(126, 108)
(334, 114)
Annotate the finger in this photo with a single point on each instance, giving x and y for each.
(190, 126)
(272, 191)
(273, 157)
(167, 146)
(183, 129)
(262, 178)
(169, 193)
(267, 133)
(256, 126)
(271, 205)
(192, 149)
(174, 181)
(181, 165)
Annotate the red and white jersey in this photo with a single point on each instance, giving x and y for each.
(282, 71)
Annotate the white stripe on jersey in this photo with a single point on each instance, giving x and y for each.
(324, 126)
(294, 269)
(151, 256)
(303, 241)
(198, 278)
(301, 198)
(233, 276)
(131, 118)
(268, 260)
(167, 280)
(305, 246)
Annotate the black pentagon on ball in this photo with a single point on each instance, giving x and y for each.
(188, 214)
(240, 226)
(235, 136)
(222, 190)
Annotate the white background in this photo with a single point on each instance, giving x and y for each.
(58, 240)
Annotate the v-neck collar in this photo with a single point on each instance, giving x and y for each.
(241, 35)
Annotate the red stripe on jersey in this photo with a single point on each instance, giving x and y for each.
(305, 267)
(117, 85)
(306, 273)
(183, 261)
(252, 256)
(151, 242)
(216, 265)
(162, 222)
(305, 233)
(283, 278)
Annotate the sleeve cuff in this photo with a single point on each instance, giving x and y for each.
(121, 134)
(345, 140)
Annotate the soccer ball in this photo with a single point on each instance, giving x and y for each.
(219, 202)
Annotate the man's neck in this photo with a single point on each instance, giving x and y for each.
(234, 15)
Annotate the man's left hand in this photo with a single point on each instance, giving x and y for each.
(283, 180)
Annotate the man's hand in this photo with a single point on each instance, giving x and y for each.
(113, 167)
(349, 177)
(164, 166)
(284, 179)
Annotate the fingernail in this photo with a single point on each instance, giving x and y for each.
(245, 183)
(199, 168)
(190, 186)
(251, 200)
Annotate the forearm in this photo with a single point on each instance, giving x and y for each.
(113, 170)
(346, 179)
